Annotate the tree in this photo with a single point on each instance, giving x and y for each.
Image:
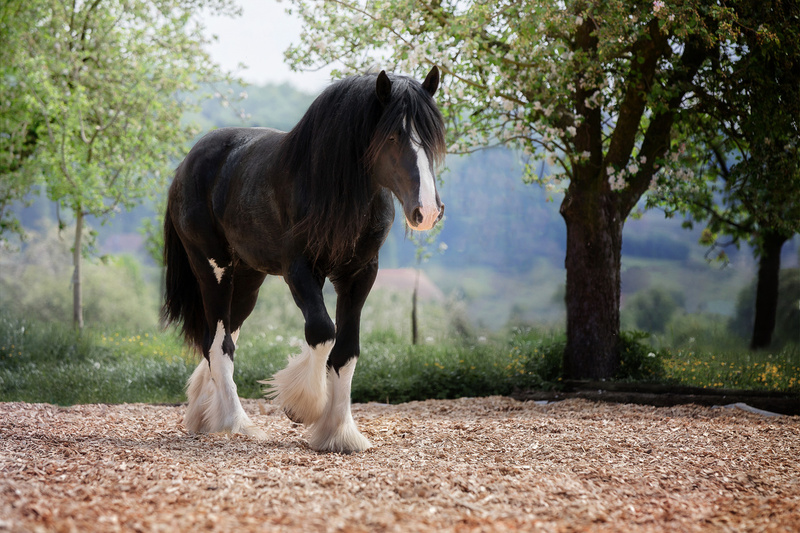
(745, 156)
(423, 242)
(594, 88)
(109, 80)
(18, 121)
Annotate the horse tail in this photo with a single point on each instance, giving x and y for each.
(183, 303)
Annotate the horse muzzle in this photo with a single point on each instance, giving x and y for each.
(423, 218)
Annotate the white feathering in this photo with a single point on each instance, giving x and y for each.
(300, 388)
(336, 431)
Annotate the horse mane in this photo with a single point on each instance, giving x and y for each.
(331, 151)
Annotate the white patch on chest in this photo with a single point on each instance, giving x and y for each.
(218, 270)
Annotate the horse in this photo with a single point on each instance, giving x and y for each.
(308, 204)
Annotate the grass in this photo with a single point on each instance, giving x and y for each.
(51, 363)
(735, 370)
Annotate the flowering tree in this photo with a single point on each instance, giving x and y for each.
(594, 88)
(107, 82)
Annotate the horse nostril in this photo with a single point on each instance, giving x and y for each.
(441, 214)
(417, 216)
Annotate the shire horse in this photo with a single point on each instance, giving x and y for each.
(310, 204)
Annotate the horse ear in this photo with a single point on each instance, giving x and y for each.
(383, 88)
(431, 82)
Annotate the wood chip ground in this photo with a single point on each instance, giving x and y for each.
(488, 464)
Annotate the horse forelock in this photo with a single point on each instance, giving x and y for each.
(410, 108)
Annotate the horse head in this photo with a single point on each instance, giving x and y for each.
(410, 144)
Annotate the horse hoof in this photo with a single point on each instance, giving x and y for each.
(291, 416)
(254, 432)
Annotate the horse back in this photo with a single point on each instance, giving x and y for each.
(224, 192)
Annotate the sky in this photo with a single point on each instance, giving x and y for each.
(258, 39)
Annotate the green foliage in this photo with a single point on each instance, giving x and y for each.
(700, 331)
(48, 362)
(96, 85)
(19, 122)
(98, 75)
(741, 154)
(734, 369)
(638, 361)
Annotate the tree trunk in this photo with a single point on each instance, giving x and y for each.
(769, 267)
(414, 331)
(77, 293)
(594, 247)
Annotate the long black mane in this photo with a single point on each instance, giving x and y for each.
(330, 154)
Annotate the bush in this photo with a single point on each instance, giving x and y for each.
(653, 308)
(638, 361)
(37, 284)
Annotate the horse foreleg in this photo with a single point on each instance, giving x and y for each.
(336, 430)
(300, 388)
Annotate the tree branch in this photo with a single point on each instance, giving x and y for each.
(647, 50)
(657, 137)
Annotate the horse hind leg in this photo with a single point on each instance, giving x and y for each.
(214, 404)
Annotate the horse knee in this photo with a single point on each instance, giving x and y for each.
(319, 331)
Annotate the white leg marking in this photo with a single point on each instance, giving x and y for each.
(427, 185)
(199, 390)
(235, 337)
(218, 271)
(214, 404)
(300, 387)
(336, 430)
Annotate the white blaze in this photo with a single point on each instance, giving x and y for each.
(427, 186)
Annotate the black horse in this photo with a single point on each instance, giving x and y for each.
(310, 204)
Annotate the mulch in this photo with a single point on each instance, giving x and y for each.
(478, 464)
